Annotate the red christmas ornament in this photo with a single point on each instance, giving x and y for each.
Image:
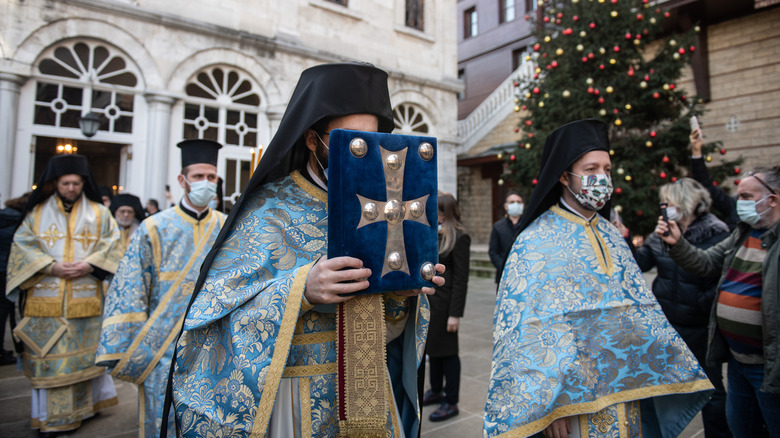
(601, 100)
(529, 122)
(592, 25)
(558, 21)
(601, 66)
(512, 158)
(615, 111)
(590, 90)
(656, 95)
(536, 90)
(639, 16)
(692, 48)
(614, 1)
(549, 67)
(715, 183)
(546, 19)
(534, 181)
(527, 17)
(591, 55)
(652, 70)
(517, 129)
(736, 182)
(628, 35)
(631, 72)
(667, 14)
(681, 51)
(537, 46)
(554, 64)
(674, 179)
(575, 18)
(666, 159)
(683, 97)
(723, 151)
(653, 134)
(618, 190)
(560, 15)
(530, 135)
(657, 10)
(525, 107)
(596, 91)
(671, 86)
(584, 59)
(544, 55)
(640, 213)
(536, 75)
(647, 78)
(662, 175)
(736, 170)
(616, 49)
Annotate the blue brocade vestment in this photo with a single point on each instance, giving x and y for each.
(255, 358)
(146, 302)
(577, 331)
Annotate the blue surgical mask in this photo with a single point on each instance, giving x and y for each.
(515, 209)
(746, 210)
(201, 192)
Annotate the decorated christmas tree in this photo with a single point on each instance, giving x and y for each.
(613, 60)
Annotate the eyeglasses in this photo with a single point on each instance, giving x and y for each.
(753, 174)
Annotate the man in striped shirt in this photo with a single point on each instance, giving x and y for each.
(745, 321)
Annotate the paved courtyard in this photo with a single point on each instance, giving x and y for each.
(475, 351)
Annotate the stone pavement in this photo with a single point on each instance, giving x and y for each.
(475, 352)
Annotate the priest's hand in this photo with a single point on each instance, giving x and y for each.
(560, 428)
(453, 323)
(71, 270)
(674, 232)
(438, 280)
(328, 280)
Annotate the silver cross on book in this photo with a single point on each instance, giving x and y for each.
(382, 206)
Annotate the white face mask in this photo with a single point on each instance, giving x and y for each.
(672, 213)
(515, 209)
(201, 192)
(595, 190)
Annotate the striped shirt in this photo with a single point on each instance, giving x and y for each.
(739, 302)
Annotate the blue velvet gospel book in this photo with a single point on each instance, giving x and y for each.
(382, 206)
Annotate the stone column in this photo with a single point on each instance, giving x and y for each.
(9, 105)
(157, 146)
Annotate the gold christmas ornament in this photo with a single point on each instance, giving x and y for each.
(643, 84)
(583, 34)
(628, 178)
(566, 93)
(610, 89)
(613, 14)
(709, 158)
(528, 145)
(546, 95)
(665, 87)
(649, 143)
(612, 61)
(501, 181)
(541, 104)
(580, 47)
(517, 100)
(589, 81)
(547, 39)
(676, 55)
(500, 155)
(602, 50)
(559, 52)
(637, 42)
(620, 171)
(602, 112)
(517, 108)
(612, 152)
(618, 122)
(628, 106)
(672, 43)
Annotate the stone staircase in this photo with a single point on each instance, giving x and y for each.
(480, 262)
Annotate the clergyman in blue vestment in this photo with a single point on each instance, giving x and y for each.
(147, 299)
(257, 355)
(580, 345)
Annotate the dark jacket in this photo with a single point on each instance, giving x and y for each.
(501, 239)
(716, 261)
(9, 218)
(450, 299)
(686, 299)
(721, 201)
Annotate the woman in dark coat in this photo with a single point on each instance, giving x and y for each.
(685, 298)
(447, 306)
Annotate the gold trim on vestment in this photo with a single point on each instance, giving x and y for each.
(310, 370)
(154, 239)
(365, 388)
(102, 404)
(163, 349)
(167, 276)
(600, 249)
(583, 420)
(281, 350)
(393, 413)
(622, 419)
(610, 399)
(304, 395)
(38, 349)
(308, 187)
(58, 356)
(70, 379)
(125, 317)
(174, 289)
(314, 338)
(141, 411)
(108, 357)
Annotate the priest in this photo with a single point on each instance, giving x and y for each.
(258, 352)
(148, 297)
(65, 245)
(129, 213)
(580, 345)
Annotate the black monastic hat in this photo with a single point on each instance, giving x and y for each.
(199, 151)
(128, 200)
(562, 149)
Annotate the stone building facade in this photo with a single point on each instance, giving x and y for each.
(159, 72)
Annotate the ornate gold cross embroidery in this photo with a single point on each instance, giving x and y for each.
(394, 211)
(602, 420)
(86, 238)
(51, 236)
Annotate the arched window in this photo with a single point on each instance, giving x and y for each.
(81, 77)
(222, 105)
(410, 120)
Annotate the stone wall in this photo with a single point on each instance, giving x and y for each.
(475, 200)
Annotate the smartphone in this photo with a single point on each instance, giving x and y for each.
(694, 123)
(663, 206)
